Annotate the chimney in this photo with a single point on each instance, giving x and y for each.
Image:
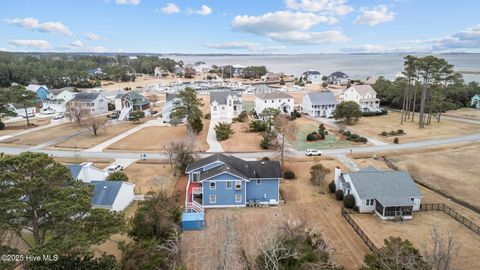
(336, 179)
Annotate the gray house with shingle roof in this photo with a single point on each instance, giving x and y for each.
(112, 195)
(91, 103)
(277, 100)
(319, 104)
(225, 105)
(388, 194)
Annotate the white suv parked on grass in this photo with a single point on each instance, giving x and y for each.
(114, 168)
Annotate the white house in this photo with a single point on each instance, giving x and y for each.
(272, 77)
(168, 107)
(86, 172)
(112, 195)
(91, 103)
(277, 100)
(312, 76)
(160, 72)
(364, 95)
(59, 103)
(388, 194)
(225, 105)
(19, 110)
(338, 77)
(319, 104)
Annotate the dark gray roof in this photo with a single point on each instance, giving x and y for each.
(75, 169)
(237, 166)
(60, 90)
(379, 184)
(394, 201)
(322, 98)
(273, 95)
(339, 74)
(85, 97)
(170, 97)
(221, 97)
(311, 72)
(105, 192)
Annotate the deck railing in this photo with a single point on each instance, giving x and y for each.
(197, 190)
(358, 230)
(454, 214)
(195, 206)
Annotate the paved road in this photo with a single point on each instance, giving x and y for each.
(327, 152)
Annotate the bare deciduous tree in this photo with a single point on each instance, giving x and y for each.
(318, 173)
(443, 249)
(94, 123)
(284, 128)
(180, 152)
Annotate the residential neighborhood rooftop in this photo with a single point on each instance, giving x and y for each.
(105, 192)
(221, 97)
(322, 98)
(85, 97)
(273, 95)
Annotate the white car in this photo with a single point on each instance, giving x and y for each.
(114, 168)
(313, 152)
(58, 116)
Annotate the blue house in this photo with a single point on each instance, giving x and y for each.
(41, 91)
(221, 180)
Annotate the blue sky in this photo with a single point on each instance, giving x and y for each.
(240, 26)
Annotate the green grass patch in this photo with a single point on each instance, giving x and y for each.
(331, 140)
(248, 105)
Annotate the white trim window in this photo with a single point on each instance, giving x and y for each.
(238, 198)
(213, 185)
(213, 198)
(195, 177)
(228, 185)
(238, 185)
(259, 182)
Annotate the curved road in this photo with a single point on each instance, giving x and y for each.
(327, 152)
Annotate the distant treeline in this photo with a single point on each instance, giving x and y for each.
(58, 70)
(456, 95)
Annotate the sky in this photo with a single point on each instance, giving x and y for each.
(240, 26)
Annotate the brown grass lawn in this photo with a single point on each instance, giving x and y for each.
(151, 177)
(45, 135)
(303, 200)
(418, 232)
(373, 126)
(465, 113)
(242, 140)
(21, 125)
(155, 138)
(88, 140)
(100, 163)
(454, 171)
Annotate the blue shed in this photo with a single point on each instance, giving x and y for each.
(192, 221)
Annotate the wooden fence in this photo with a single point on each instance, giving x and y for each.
(454, 214)
(358, 230)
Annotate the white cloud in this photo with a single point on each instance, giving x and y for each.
(289, 27)
(34, 24)
(333, 7)
(127, 2)
(93, 36)
(308, 38)
(248, 46)
(376, 15)
(204, 10)
(31, 43)
(77, 44)
(279, 21)
(170, 8)
(468, 38)
(3, 50)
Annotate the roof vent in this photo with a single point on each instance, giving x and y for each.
(105, 187)
(228, 168)
(263, 162)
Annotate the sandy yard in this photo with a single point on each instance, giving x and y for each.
(373, 126)
(454, 171)
(418, 231)
(18, 126)
(155, 138)
(303, 200)
(151, 177)
(242, 140)
(88, 140)
(468, 113)
(45, 135)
